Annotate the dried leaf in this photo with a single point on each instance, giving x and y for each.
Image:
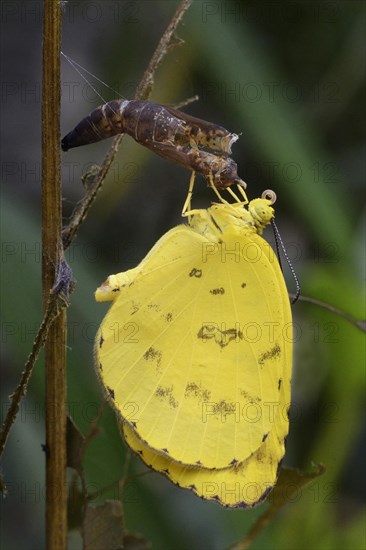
(75, 442)
(290, 483)
(103, 526)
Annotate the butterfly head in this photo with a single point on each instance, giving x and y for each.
(261, 210)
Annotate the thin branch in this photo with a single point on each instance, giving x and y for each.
(81, 210)
(186, 102)
(144, 88)
(258, 528)
(361, 325)
(290, 481)
(143, 91)
(57, 301)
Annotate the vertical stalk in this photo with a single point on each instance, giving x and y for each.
(52, 253)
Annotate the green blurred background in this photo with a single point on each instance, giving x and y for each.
(289, 77)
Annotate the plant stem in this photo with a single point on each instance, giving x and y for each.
(52, 256)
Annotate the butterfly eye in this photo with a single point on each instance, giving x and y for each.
(269, 195)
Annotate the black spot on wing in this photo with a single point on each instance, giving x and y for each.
(249, 397)
(279, 383)
(264, 437)
(153, 355)
(166, 394)
(243, 285)
(101, 340)
(134, 308)
(155, 307)
(223, 338)
(195, 272)
(224, 407)
(111, 392)
(262, 457)
(197, 391)
(217, 291)
(169, 317)
(272, 353)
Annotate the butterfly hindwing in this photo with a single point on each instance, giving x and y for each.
(244, 484)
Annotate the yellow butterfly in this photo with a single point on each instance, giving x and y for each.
(195, 354)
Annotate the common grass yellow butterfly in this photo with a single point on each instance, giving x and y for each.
(195, 354)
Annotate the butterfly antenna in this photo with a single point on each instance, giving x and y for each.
(279, 244)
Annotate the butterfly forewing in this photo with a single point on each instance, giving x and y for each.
(200, 379)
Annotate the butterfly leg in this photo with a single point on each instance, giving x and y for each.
(187, 203)
(243, 194)
(215, 190)
(241, 191)
(229, 190)
(186, 210)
